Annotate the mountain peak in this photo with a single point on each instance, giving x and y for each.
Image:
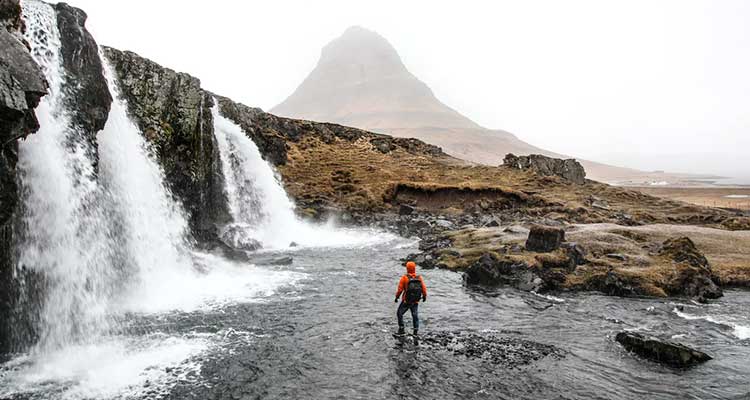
(361, 81)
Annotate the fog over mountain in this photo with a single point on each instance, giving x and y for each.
(361, 81)
(649, 85)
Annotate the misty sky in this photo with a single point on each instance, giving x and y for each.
(648, 84)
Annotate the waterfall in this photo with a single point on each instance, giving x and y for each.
(259, 206)
(94, 238)
(63, 236)
(152, 227)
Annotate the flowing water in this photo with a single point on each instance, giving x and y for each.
(133, 311)
(63, 234)
(258, 204)
(324, 331)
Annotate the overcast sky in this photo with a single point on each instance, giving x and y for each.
(648, 84)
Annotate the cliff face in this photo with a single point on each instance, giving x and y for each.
(174, 114)
(22, 85)
(86, 90)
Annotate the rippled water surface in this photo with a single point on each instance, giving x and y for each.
(326, 333)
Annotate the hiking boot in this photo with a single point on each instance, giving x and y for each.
(400, 330)
(416, 332)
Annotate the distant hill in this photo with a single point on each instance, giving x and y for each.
(360, 81)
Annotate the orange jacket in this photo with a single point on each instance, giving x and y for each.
(401, 290)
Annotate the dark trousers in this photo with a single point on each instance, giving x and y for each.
(414, 314)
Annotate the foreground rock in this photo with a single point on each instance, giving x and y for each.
(507, 352)
(570, 169)
(617, 261)
(665, 352)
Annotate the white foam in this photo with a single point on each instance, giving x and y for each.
(117, 367)
(550, 297)
(737, 196)
(739, 331)
(62, 235)
(216, 282)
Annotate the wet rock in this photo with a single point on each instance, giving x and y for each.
(693, 276)
(617, 285)
(405, 209)
(22, 85)
(85, 87)
(661, 351)
(570, 169)
(491, 271)
(576, 252)
(426, 261)
(238, 237)
(506, 352)
(544, 239)
(492, 223)
(174, 115)
(617, 256)
(271, 260)
(444, 224)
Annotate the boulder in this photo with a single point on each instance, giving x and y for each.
(661, 351)
(491, 271)
(576, 252)
(238, 237)
(569, 169)
(692, 275)
(682, 250)
(544, 239)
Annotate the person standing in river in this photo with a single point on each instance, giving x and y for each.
(411, 288)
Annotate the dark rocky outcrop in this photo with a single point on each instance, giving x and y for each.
(174, 114)
(85, 87)
(22, 85)
(569, 169)
(661, 351)
(491, 271)
(693, 276)
(544, 239)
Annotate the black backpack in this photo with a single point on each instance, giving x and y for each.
(413, 289)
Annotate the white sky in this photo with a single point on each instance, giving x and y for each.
(650, 84)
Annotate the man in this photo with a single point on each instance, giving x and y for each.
(412, 287)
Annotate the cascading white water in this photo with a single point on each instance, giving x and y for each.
(152, 226)
(62, 236)
(258, 203)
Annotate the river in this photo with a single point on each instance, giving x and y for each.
(322, 328)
